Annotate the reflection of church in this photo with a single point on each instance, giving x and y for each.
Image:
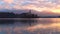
(28, 15)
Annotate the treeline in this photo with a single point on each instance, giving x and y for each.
(12, 15)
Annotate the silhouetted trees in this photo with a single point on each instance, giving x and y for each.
(12, 15)
(6, 15)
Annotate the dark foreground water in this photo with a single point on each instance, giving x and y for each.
(30, 26)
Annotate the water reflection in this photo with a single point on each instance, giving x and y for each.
(28, 22)
(31, 26)
(6, 21)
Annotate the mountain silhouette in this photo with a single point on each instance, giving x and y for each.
(26, 14)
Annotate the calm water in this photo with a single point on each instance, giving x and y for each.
(30, 26)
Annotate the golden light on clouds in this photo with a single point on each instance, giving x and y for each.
(55, 10)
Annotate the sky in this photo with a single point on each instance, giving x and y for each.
(39, 5)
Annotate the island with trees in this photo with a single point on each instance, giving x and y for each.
(22, 15)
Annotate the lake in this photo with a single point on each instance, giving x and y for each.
(29, 25)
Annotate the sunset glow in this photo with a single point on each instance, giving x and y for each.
(56, 10)
(29, 16)
(39, 5)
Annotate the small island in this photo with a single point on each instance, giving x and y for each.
(28, 15)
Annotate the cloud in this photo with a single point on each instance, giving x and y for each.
(8, 1)
(30, 4)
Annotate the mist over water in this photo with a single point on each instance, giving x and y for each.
(30, 26)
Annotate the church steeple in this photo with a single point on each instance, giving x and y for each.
(29, 11)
